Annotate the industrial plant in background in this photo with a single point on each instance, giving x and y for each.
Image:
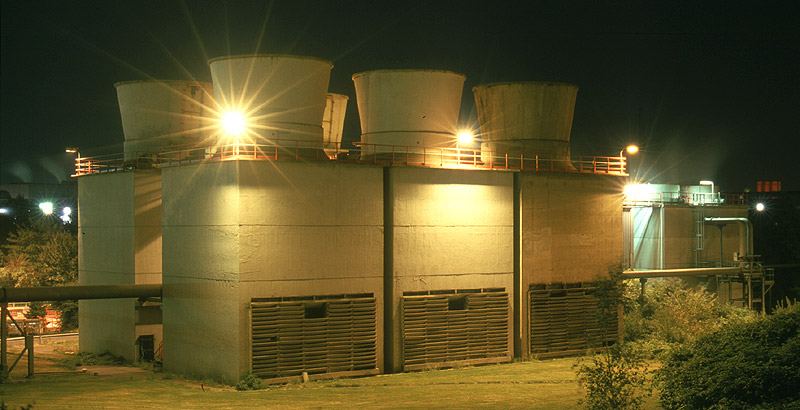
(281, 252)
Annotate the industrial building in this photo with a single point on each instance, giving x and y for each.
(284, 253)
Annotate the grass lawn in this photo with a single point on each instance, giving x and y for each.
(549, 384)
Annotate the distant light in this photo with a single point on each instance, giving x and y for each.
(632, 149)
(46, 207)
(759, 207)
(639, 192)
(233, 123)
(67, 211)
(707, 183)
(5, 211)
(465, 137)
(71, 150)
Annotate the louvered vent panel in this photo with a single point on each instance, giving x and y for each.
(452, 327)
(337, 335)
(564, 318)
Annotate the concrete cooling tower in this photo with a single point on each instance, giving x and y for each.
(409, 108)
(281, 97)
(333, 123)
(529, 117)
(157, 115)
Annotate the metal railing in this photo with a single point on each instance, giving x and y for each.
(688, 198)
(296, 150)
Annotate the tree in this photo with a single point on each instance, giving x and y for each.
(44, 254)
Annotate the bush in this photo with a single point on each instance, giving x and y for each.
(250, 382)
(614, 379)
(90, 359)
(742, 365)
(672, 314)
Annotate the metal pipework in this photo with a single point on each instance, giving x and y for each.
(745, 248)
(668, 273)
(79, 292)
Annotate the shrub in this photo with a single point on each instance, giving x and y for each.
(250, 382)
(673, 313)
(90, 359)
(741, 365)
(614, 379)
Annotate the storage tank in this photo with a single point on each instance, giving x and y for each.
(282, 97)
(159, 114)
(529, 117)
(333, 123)
(407, 108)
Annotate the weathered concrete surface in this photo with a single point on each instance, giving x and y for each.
(120, 243)
(106, 257)
(260, 230)
(451, 230)
(309, 229)
(200, 269)
(571, 228)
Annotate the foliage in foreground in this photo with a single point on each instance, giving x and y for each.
(742, 365)
(250, 382)
(90, 359)
(673, 313)
(614, 379)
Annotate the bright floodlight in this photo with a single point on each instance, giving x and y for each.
(632, 149)
(46, 207)
(759, 207)
(4, 211)
(67, 211)
(233, 123)
(465, 137)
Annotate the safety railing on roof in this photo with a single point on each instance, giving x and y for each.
(291, 150)
(683, 197)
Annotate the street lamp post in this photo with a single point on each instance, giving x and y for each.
(631, 149)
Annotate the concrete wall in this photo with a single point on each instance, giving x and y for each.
(239, 230)
(308, 229)
(120, 243)
(200, 220)
(106, 257)
(571, 231)
(449, 230)
(680, 239)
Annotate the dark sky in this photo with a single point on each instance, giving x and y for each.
(707, 88)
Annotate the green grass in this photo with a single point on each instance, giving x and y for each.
(549, 384)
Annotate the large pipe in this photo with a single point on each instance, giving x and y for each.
(746, 247)
(79, 292)
(669, 273)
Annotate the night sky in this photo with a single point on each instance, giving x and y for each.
(707, 89)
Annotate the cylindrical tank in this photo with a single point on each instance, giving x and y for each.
(282, 97)
(409, 108)
(526, 117)
(333, 123)
(159, 114)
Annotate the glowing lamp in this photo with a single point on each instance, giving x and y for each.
(630, 150)
(46, 207)
(465, 137)
(67, 211)
(759, 207)
(233, 123)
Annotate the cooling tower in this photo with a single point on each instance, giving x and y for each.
(282, 97)
(159, 114)
(333, 123)
(530, 117)
(408, 108)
